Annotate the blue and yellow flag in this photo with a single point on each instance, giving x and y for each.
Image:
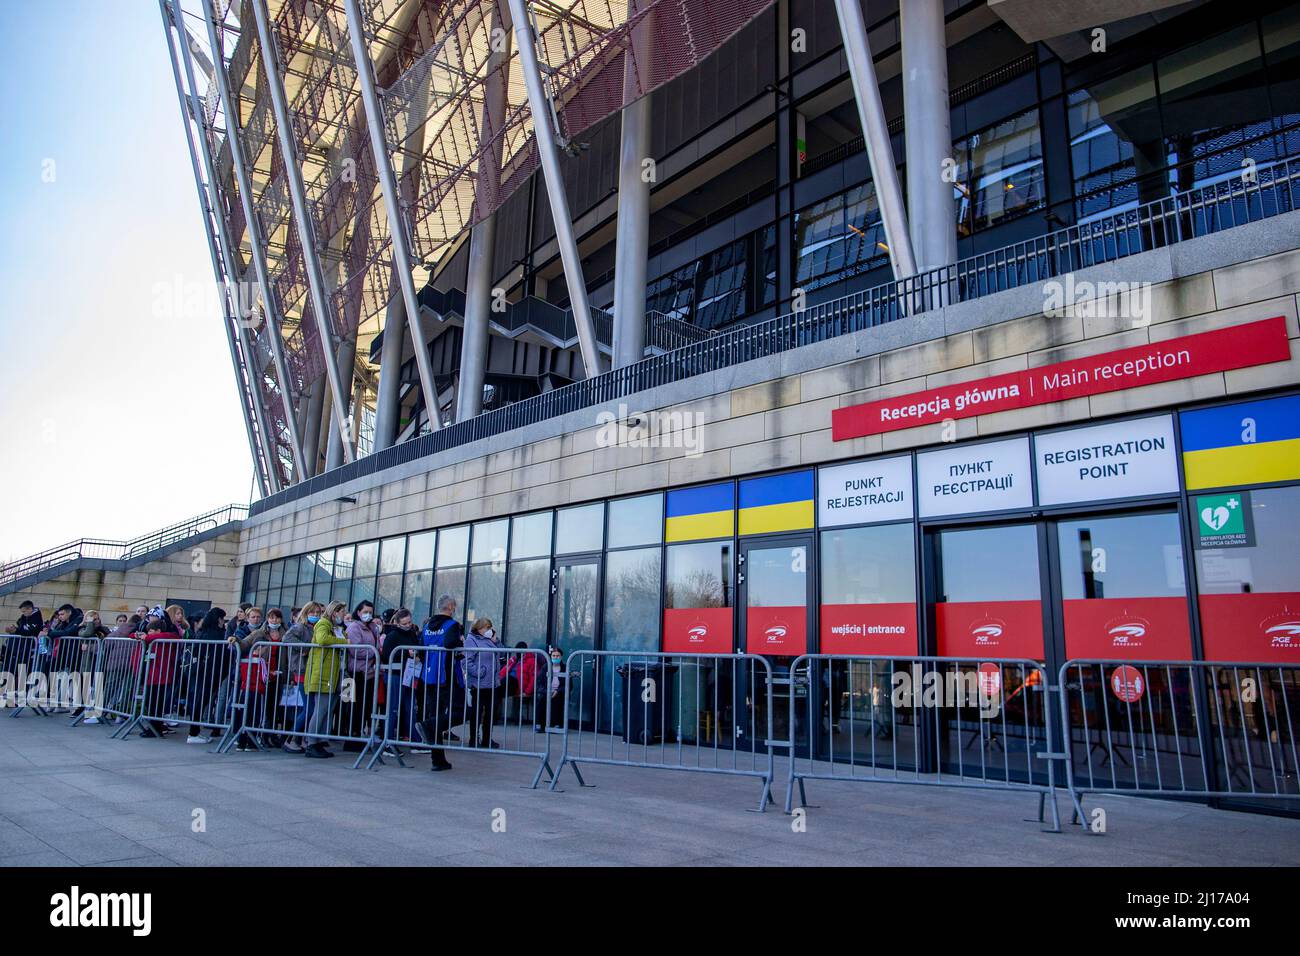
(696, 513)
(1245, 444)
(777, 503)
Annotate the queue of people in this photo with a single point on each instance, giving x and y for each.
(318, 674)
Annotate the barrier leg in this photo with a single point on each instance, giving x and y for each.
(543, 767)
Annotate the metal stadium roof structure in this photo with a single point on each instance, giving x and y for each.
(458, 137)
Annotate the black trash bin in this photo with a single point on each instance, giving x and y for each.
(643, 720)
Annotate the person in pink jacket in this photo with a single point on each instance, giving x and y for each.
(364, 632)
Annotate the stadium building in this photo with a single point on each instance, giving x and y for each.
(842, 326)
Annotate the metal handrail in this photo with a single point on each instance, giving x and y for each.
(105, 549)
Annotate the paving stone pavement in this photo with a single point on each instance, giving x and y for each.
(72, 796)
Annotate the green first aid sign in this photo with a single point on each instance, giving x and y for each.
(1223, 521)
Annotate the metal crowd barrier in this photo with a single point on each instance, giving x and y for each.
(279, 705)
(119, 665)
(1181, 729)
(188, 681)
(486, 700)
(51, 674)
(18, 656)
(929, 721)
(707, 713)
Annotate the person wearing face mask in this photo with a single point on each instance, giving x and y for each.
(293, 661)
(556, 688)
(400, 635)
(482, 678)
(324, 676)
(363, 630)
(256, 666)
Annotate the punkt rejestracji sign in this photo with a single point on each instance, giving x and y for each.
(1239, 346)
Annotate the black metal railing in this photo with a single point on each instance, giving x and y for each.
(120, 550)
(1269, 190)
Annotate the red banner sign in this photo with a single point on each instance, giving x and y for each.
(1240, 346)
(868, 629)
(1251, 627)
(782, 631)
(990, 629)
(703, 630)
(1135, 629)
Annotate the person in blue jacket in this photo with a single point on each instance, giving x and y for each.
(444, 631)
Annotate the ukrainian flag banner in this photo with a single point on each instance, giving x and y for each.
(693, 514)
(777, 503)
(1245, 444)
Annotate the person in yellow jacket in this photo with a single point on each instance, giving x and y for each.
(324, 675)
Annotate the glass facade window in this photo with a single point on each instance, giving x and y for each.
(1000, 172)
(343, 566)
(419, 551)
(528, 602)
(722, 286)
(868, 591)
(1215, 108)
(838, 238)
(392, 555)
(450, 581)
(365, 564)
(453, 547)
(530, 535)
(1250, 591)
(324, 574)
(489, 542)
(636, 521)
(580, 529)
(632, 611)
(417, 596)
(1123, 590)
(486, 595)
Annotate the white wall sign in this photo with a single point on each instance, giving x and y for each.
(865, 492)
(1104, 462)
(965, 479)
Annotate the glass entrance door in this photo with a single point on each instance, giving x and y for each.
(776, 596)
(987, 593)
(575, 610)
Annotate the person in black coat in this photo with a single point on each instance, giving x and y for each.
(206, 672)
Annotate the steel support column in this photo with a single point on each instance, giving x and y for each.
(482, 237)
(256, 241)
(875, 132)
(335, 450)
(632, 244)
(548, 153)
(930, 204)
(320, 301)
(250, 401)
(402, 260)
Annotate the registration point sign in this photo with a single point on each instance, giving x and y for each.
(1129, 459)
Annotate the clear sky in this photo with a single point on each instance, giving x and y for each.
(117, 401)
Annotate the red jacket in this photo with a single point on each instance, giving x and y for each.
(163, 665)
(523, 668)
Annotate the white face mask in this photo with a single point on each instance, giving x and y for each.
(490, 634)
(365, 617)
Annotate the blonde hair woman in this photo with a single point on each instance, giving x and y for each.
(483, 676)
(324, 668)
(294, 657)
